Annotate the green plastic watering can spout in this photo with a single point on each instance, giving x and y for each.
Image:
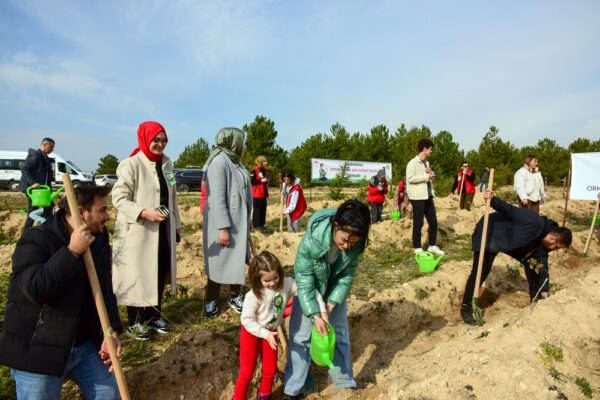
(53, 195)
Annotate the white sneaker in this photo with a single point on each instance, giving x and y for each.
(419, 251)
(435, 250)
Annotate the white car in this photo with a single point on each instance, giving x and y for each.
(105, 180)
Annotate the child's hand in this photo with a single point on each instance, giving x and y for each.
(272, 340)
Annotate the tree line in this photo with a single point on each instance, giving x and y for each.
(381, 145)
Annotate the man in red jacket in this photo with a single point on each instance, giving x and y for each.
(464, 178)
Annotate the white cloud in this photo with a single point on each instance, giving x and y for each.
(28, 76)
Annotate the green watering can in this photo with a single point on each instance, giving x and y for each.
(427, 263)
(321, 347)
(395, 215)
(42, 195)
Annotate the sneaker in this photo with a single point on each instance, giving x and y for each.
(419, 251)
(466, 313)
(435, 250)
(159, 326)
(267, 396)
(236, 302)
(139, 332)
(211, 309)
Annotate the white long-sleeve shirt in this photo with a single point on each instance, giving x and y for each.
(264, 316)
(294, 199)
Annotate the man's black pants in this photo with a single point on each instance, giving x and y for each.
(424, 208)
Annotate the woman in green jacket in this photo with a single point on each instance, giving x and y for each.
(326, 261)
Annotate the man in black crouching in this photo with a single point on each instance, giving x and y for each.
(522, 234)
(51, 326)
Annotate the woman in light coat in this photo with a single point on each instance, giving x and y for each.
(529, 185)
(145, 239)
(226, 220)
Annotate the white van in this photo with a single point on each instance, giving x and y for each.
(11, 163)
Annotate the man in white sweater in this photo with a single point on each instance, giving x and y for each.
(419, 188)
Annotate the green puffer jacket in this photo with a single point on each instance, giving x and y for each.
(314, 272)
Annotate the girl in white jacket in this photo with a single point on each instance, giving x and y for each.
(529, 185)
(262, 313)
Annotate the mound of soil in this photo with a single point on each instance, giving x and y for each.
(408, 341)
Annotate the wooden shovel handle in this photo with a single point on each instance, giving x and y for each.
(462, 184)
(568, 187)
(97, 292)
(282, 207)
(589, 238)
(486, 217)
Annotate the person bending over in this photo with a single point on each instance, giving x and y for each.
(522, 234)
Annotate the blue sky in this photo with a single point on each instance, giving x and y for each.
(88, 72)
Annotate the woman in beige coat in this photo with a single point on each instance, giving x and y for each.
(146, 231)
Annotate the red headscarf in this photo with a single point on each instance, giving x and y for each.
(146, 133)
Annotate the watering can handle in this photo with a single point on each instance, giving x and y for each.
(30, 188)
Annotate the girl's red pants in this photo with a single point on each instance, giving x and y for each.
(250, 347)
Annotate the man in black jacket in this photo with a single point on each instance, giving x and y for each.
(522, 234)
(37, 171)
(51, 326)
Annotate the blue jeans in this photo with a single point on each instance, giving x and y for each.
(84, 367)
(298, 361)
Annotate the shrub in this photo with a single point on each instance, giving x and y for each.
(337, 185)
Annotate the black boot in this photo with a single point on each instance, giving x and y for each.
(466, 312)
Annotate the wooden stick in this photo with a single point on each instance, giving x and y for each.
(589, 238)
(7, 206)
(97, 293)
(486, 218)
(281, 211)
(568, 184)
(280, 333)
(462, 184)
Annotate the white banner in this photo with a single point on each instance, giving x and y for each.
(323, 171)
(585, 176)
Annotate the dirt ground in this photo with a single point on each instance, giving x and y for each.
(408, 341)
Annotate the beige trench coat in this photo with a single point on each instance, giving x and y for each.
(135, 243)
